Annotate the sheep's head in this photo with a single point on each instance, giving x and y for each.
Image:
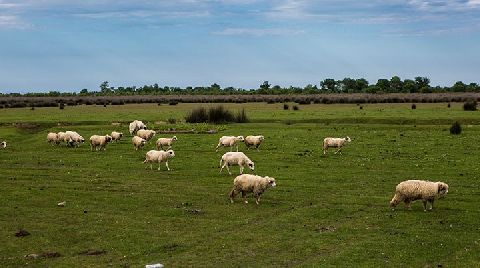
(108, 138)
(120, 134)
(143, 141)
(174, 138)
(348, 139)
(271, 181)
(170, 153)
(251, 165)
(3, 144)
(240, 138)
(262, 137)
(442, 189)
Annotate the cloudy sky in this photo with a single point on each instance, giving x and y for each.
(68, 45)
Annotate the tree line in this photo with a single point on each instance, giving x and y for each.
(329, 85)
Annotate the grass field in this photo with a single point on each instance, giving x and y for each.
(326, 211)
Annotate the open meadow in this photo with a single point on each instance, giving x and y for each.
(326, 211)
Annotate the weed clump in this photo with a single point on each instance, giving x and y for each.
(470, 105)
(414, 106)
(456, 129)
(215, 115)
(285, 106)
(295, 107)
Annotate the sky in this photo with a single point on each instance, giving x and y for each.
(68, 45)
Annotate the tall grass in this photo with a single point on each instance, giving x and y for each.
(215, 115)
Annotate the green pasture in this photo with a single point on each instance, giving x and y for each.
(326, 211)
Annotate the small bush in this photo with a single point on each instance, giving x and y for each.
(215, 115)
(241, 117)
(448, 105)
(61, 105)
(173, 103)
(361, 107)
(285, 106)
(414, 106)
(172, 120)
(470, 105)
(295, 107)
(456, 128)
(197, 115)
(219, 114)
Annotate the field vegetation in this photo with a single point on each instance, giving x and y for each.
(326, 211)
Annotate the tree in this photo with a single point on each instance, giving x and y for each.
(361, 84)
(383, 85)
(423, 84)
(264, 88)
(105, 88)
(349, 85)
(396, 84)
(329, 85)
(459, 86)
(409, 86)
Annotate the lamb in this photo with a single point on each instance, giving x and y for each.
(99, 142)
(165, 142)
(253, 141)
(247, 183)
(135, 126)
(52, 138)
(73, 138)
(229, 141)
(116, 136)
(158, 156)
(236, 158)
(3, 145)
(138, 142)
(335, 142)
(412, 190)
(146, 134)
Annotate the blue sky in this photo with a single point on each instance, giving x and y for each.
(68, 45)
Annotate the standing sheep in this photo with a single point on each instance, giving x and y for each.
(52, 138)
(254, 141)
(135, 126)
(3, 145)
(99, 142)
(116, 136)
(62, 137)
(229, 141)
(248, 183)
(138, 142)
(412, 190)
(73, 138)
(236, 158)
(146, 134)
(335, 142)
(158, 156)
(165, 142)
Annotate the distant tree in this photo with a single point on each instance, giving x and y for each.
(329, 85)
(396, 84)
(383, 85)
(459, 86)
(361, 85)
(105, 88)
(84, 91)
(264, 88)
(409, 86)
(349, 85)
(423, 84)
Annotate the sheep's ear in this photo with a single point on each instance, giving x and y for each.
(440, 187)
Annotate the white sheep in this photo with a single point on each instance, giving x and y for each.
(116, 136)
(254, 141)
(229, 141)
(138, 142)
(335, 142)
(248, 183)
(158, 156)
(236, 159)
(3, 145)
(146, 134)
(73, 138)
(135, 126)
(99, 142)
(52, 138)
(165, 142)
(62, 137)
(412, 190)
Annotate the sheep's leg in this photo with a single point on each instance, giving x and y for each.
(424, 205)
(408, 204)
(221, 168)
(229, 169)
(257, 199)
(431, 204)
(339, 150)
(241, 170)
(216, 148)
(257, 147)
(244, 195)
(237, 147)
(166, 164)
(151, 166)
(233, 193)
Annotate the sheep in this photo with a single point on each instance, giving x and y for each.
(99, 142)
(165, 142)
(335, 142)
(158, 156)
(116, 136)
(52, 138)
(146, 134)
(247, 183)
(62, 137)
(3, 145)
(412, 190)
(73, 138)
(229, 141)
(135, 126)
(138, 142)
(253, 141)
(236, 158)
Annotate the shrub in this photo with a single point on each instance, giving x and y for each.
(215, 115)
(172, 120)
(197, 115)
(285, 106)
(219, 114)
(414, 106)
(470, 105)
(61, 105)
(295, 107)
(448, 105)
(173, 103)
(456, 128)
(241, 117)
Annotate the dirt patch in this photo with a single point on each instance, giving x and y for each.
(22, 233)
(93, 252)
(47, 254)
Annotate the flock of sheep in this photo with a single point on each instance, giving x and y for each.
(406, 191)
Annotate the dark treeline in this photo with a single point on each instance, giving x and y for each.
(347, 85)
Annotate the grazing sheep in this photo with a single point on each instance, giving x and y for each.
(3, 145)
(165, 142)
(62, 137)
(229, 141)
(73, 138)
(253, 141)
(247, 183)
(236, 158)
(335, 142)
(52, 138)
(135, 126)
(99, 142)
(412, 190)
(116, 136)
(138, 142)
(158, 156)
(146, 134)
